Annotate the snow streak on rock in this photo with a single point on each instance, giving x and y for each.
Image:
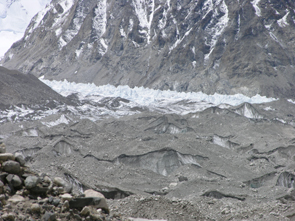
(145, 14)
(76, 23)
(163, 21)
(256, 7)
(283, 21)
(66, 5)
(214, 30)
(100, 19)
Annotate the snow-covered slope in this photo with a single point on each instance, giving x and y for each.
(15, 16)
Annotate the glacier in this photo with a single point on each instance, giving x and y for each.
(99, 102)
(150, 97)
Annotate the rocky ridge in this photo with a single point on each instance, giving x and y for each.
(223, 46)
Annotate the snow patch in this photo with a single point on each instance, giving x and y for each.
(62, 120)
(269, 109)
(15, 16)
(100, 18)
(179, 40)
(257, 9)
(145, 14)
(194, 63)
(103, 50)
(291, 101)
(163, 21)
(283, 21)
(215, 30)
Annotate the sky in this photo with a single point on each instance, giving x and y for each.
(15, 16)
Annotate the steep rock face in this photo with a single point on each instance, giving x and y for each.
(224, 46)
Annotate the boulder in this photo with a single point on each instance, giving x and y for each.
(6, 156)
(97, 202)
(93, 193)
(14, 180)
(11, 167)
(31, 182)
(58, 181)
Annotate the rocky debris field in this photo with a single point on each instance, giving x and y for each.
(25, 195)
(229, 163)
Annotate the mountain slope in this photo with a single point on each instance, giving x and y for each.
(223, 46)
(15, 15)
(17, 88)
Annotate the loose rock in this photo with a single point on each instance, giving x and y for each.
(35, 208)
(11, 167)
(19, 158)
(6, 156)
(65, 206)
(66, 196)
(14, 180)
(62, 183)
(48, 216)
(93, 193)
(85, 211)
(31, 181)
(16, 199)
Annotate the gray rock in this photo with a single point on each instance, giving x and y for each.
(11, 167)
(31, 181)
(56, 201)
(6, 156)
(16, 199)
(19, 158)
(65, 206)
(85, 211)
(62, 183)
(48, 216)
(14, 180)
(35, 208)
(93, 193)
